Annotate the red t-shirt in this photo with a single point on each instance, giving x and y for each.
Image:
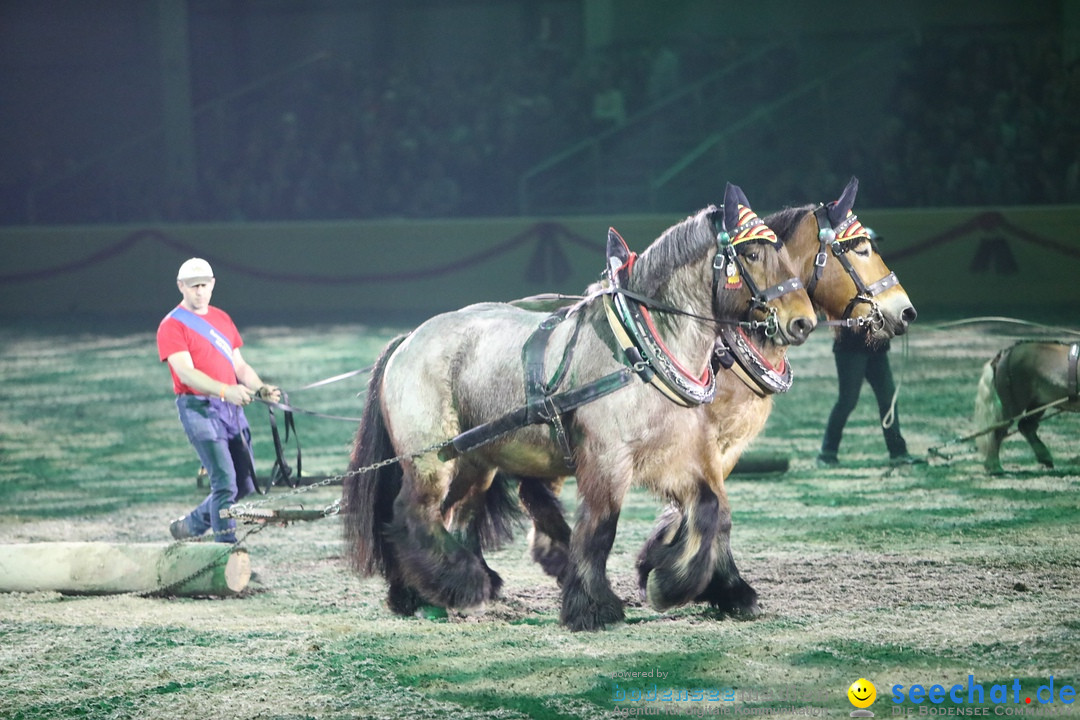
(174, 336)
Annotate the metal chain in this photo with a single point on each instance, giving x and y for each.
(335, 507)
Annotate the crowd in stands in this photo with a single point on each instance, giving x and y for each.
(983, 122)
(970, 122)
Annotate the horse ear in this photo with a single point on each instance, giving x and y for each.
(617, 247)
(839, 210)
(733, 197)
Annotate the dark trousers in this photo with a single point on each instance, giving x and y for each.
(851, 369)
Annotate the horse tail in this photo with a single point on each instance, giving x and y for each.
(988, 410)
(368, 496)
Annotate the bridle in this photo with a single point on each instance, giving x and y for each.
(728, 269)
(839, 239)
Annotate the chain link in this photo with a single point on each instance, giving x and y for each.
(335, 507)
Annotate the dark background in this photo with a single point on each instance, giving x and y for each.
(267, 110)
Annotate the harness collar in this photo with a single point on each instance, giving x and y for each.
(735, 352)
(634, 330)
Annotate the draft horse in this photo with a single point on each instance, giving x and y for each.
(653, 317)
(1019, 385)
(847, 280)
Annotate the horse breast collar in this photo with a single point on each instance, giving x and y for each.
(636, 334)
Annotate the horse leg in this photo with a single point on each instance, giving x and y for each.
(991, 449)
(726, 590)
(588, 602)
(1029, 428)
(549, 539)
(485, 517)
(678, 559)
(430, 560)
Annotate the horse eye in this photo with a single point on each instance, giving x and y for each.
(863, 249)
(753, 255)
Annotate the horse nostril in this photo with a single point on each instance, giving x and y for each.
(908, 315)
(799, 328)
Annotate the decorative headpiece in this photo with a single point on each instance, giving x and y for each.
(845, 224)
(745, 226)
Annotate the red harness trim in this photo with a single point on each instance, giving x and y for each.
(703, 382)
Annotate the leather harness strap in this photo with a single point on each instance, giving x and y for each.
(543, 402)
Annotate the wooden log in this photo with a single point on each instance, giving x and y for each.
(98, 568)
(760, 464)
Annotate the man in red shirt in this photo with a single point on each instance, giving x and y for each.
(212, 382)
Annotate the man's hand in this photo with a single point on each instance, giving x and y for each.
(236, 394)
(270, 393)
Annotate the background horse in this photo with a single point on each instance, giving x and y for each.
(464, 369)
(1018, 385)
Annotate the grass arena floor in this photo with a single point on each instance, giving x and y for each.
(918, 576)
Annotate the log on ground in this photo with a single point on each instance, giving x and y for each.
(98, 568)
(760, 464)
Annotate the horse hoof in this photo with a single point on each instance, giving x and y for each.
(580, 611)
(594, 618)
(737, 600)
(658, 596)
(403, 600)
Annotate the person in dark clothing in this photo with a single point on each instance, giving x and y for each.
(857, 361)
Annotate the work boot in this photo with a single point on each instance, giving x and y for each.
(178, 528)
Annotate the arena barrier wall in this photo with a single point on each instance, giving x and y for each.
(951, 261)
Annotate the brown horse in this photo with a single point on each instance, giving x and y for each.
(472, 368)
(848, 281)
(1019, 385)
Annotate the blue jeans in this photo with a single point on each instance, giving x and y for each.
(221, 437)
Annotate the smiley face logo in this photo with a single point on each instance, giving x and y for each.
(862, 693)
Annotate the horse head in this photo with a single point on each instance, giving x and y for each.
(750, 269)
(843, 271)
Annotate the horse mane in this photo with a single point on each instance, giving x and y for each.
(784, 222)
(679, 245)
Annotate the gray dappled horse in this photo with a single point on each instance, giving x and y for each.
(1019, 384)
(655, 317)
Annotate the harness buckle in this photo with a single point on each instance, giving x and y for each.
(820, 259)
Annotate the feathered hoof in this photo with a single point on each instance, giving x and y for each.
(403, 600)
(737, 599)
(580, 612)
(661, 593)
